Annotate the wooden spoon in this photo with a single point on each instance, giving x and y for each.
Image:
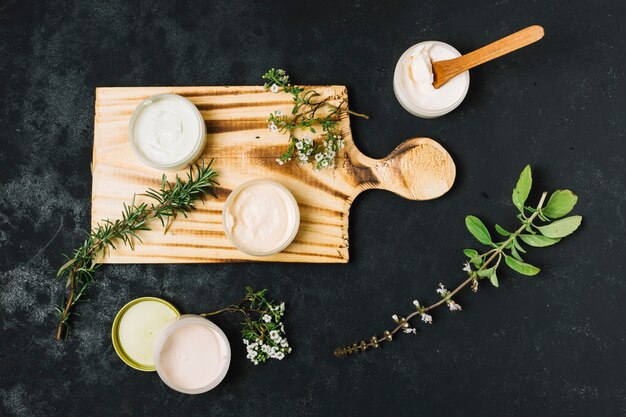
(444, 71)
(418, 169)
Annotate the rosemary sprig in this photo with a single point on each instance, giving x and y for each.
(560, 203)
(321, 151)
(263, 332)
(170, 200)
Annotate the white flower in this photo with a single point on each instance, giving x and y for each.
(427, 318)
(441, 290)
(274, 88)
(395, 318)
(246, 342)
(416, 303)
(324, 163)
(280, 356)
(467, 267)
(272, 127)
(299, 145)
(284, 343)
(282, 307)
(318, 157)
(267, 318)
(411, 330)
(280, 161)
(454, 306)
(274, 335)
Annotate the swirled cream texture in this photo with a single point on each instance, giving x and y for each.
(167, 130)
(260, 218)
(413, 80)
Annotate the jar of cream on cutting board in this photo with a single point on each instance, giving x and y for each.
(413, 81)
(167, 132)
(189, 353)
(261, 217)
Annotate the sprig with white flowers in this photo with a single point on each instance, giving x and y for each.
(263, 331)
(320, 151)
(509, 248)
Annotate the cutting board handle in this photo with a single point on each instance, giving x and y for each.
(418, 169)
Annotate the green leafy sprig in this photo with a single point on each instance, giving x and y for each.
(484, 265)
(263, 332)
(170, 200)
(305, 115)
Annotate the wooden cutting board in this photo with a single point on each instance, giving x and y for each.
(239, 140)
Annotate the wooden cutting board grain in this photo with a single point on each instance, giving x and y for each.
(239, 140)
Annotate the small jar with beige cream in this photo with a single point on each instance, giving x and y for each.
(261, 217)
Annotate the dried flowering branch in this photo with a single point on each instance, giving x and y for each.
(264, 336)
(320, 152)
(560, 203)
(170, 200)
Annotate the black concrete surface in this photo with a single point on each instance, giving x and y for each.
(550, 345)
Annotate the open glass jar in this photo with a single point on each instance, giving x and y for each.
(412, 81)
(167, 132)
(261, 217)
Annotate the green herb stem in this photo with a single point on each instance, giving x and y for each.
(560, 203)
(171, 199)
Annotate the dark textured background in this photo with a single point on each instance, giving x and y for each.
(548, 345)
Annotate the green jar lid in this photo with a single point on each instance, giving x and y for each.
(136, 327)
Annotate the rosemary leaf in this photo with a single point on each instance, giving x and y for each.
(169, 201)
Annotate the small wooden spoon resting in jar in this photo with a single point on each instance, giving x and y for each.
(444, 71)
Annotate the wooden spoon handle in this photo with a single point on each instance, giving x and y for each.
(418, 169)
(445, 70)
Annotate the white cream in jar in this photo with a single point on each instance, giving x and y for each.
(167, 131)
(413, 81)
(261, 217)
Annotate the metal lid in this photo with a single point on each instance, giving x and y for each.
(140, 325)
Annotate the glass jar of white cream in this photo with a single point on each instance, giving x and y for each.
(413, 81)
(167, 132)
(261, 217)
